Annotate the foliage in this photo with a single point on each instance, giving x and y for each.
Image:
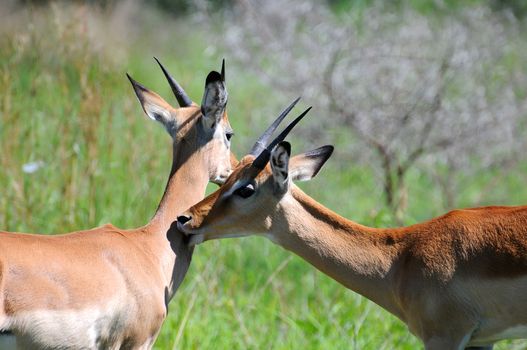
(185, 7)
(516, 7)
(77, 151)
(412, 90)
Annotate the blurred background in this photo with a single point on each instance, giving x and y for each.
(424, 100)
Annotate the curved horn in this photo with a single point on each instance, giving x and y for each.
(223, 70)
(263, 158)
(181, 95)
(261, 143)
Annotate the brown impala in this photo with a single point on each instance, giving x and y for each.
(458, 281)
(108, 288)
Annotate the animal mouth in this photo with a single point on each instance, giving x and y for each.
(220, 179)
(194, 237)
(182, 227)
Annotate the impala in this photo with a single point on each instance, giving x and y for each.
(458, 281)
(109, 288)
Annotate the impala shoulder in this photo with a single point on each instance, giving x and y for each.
(489, 212)
(487, 242)
(110, 226)
(106, 229)
(431, 246)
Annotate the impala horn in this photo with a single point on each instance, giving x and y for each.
(264, 156)
(181, 95)
(223, 70)
(262, 141)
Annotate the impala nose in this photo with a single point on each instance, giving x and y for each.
(182, 219)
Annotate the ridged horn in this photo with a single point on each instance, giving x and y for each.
(181, 95)
(262, 141)
(264, 156)
(223, 70)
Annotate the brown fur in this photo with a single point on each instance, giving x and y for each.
(457, 280)
(139, 269)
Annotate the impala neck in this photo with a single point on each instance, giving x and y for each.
(186, 186)
(361, 258)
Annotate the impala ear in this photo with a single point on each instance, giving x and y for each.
(214, 99)
(305, 166)
(279, 165)
(154, 106)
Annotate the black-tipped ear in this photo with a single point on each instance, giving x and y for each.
(139, 89)
(305, 166)
(154, 105)
(280, 165)
(214, 99)
(213, 77)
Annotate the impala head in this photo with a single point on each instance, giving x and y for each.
(195, 128)
(255, 196)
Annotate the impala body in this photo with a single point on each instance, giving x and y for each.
(109, 288)
(98, 289)
(457, 281)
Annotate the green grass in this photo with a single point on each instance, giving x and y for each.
(71, 108)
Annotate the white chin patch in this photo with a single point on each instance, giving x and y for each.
(220, 180)
(196, 239)
(181, 227)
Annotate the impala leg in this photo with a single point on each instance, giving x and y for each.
(489, 347)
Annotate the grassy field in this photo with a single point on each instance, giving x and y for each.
(68, 112)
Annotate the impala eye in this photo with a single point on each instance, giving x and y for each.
(245, 191)
(229, 135)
